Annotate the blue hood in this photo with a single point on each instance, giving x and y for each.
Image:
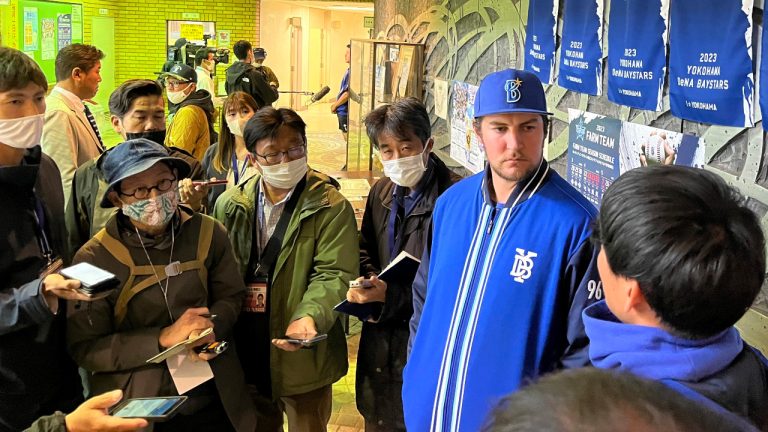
(654, 353)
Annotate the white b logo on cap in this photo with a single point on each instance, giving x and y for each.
(513, 90)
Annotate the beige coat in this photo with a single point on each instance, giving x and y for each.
(68, 138)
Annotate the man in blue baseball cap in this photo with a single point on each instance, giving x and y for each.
(507, 285)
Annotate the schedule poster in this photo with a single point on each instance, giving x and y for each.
(710, 61)
(540, 36)
(465, 148)
(593, 153)
(601, 148)
(65, 30)
(581, 55)
(637, 52)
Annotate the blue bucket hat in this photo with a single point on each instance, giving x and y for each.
(133, 157)
(510, 91)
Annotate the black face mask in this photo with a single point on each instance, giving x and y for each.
(157, 136)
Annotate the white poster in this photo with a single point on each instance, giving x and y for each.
(441, 98)
(465, 148)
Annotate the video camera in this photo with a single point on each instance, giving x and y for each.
(184, 52)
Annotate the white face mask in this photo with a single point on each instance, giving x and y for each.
(22, 133)
(234, 126)
(177, 97)
(406, 171)
(285, 175)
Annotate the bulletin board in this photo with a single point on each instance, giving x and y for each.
(45, 28)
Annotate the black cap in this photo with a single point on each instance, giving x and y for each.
(259, 53)
(181, 72)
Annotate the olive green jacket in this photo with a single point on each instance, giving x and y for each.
(318, 258)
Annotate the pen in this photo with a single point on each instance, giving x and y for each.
(209, 316)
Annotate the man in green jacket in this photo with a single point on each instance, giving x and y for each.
(296, 239)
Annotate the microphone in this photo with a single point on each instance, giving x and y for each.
(320, 94)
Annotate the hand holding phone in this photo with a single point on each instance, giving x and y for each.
(361, 284)
(93, 280)
(157, 409)
(209, 182)
(304, 339)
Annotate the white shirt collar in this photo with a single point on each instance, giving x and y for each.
(72, 98)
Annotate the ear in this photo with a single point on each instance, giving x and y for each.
(476, 127)
(429, 145)
(116, 125)
(76, 74)
(114, 199)
(634, 297)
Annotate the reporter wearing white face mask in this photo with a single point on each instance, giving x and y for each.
(296, 239)
(397, 217)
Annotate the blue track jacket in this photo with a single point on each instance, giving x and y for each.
(498, 298)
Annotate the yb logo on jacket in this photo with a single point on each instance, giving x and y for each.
(523, 265)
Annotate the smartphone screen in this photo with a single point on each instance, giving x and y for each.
(86, 273)
(148, 407)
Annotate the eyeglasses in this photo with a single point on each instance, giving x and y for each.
(143, 192)
(277, 157)
(175, 83)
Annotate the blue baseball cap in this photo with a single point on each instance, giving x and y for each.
(133, 157)
(510, 91)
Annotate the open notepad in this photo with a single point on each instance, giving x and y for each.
(179, 347)
(401, 271)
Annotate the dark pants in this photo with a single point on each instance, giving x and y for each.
(343, 122)
(306, 412)
(212, 418)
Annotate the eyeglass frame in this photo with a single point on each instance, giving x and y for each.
(283, 154)
(149, 189)
(175, 83)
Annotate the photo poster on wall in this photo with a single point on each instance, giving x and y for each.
(581, 54)
(540, 39)
(637, 52)
(441, 98)
(602, 148)
(710, 62)
(465, 148)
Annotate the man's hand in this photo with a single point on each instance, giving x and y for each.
(303, 326)
(56, 286)
(334, 108)
(92, 416)
(192, 194)
(376, 293)
(188, 324)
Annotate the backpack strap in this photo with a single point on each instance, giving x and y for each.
(129, 290)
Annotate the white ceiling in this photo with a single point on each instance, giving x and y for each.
(333, 5)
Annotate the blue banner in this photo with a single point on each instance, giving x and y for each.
(581, 54)
(710, 61)
(637, 52)
(764, 76)
(540, 38)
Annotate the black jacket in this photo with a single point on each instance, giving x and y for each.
(37, 376)
(244, 77)
(383, 345)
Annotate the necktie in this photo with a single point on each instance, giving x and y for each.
(92, 120)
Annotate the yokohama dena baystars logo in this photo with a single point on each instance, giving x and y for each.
(523, 265)
(513, 90)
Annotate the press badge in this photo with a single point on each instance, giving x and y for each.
(256, 297)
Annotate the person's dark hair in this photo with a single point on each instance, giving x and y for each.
(121, 100)
(691, 243)
(17, 70)
(74, 56)
(241, 49)
(407, 115)
(200, 55)
(223, 156)
(266, 124)
(598, 400)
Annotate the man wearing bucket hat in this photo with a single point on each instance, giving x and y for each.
(506, 287)
(177, 271)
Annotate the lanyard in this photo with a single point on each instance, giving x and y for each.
(241, 172)
(42, 238)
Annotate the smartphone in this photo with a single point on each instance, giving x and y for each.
(305, 340)
(156, 409)
(209, 182)
(93, 280)
(365, 283)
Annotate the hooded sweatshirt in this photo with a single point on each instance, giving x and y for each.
(244, 77)
(185, 130)
(721, 368)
